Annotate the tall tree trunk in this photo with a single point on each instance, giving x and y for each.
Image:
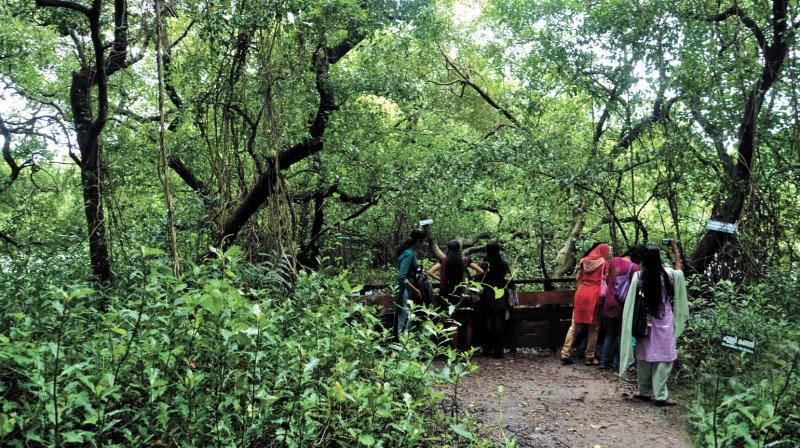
(90, 161)
(93, 207)
(730, 208)
(89, 122)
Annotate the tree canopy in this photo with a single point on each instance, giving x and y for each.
(323, 131)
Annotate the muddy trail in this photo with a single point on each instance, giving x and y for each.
(545, 404)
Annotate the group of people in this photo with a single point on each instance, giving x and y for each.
(640, 304)
(478, 306)
(642, 307)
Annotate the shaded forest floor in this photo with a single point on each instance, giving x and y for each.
(546, 405)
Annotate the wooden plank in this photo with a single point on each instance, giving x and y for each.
(383, 300)
(542, 314)
(534, 281)
(544, 280)
(541, 320)
(526, 298)
(538, 298)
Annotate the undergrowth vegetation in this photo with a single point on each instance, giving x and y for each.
(745, 399)
(211, 360)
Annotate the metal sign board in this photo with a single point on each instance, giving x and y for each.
(425, 222)
(724, 227)
(736, 343)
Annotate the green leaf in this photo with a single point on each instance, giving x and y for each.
(59, 307)
(366, 439)
(80, 293)
(461, 431)
(211, 302)
(73, 436)
(152, 252)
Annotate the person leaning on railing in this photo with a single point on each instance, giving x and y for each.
(492, 310)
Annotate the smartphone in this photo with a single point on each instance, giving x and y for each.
(667, 242)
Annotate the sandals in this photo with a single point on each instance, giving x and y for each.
(665, 403)
(566, 361)
(592, 362)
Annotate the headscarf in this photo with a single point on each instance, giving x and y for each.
(596, 258)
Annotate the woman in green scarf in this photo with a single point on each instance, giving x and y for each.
(661, 293)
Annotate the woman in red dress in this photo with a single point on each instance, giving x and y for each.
(592, 271)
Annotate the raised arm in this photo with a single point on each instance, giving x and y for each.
(676, 253)
(475, 267)
(432, 272)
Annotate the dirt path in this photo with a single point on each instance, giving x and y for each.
(548, 405)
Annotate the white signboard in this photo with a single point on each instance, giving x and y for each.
(425, 222)
(736, 343)
(724, 227)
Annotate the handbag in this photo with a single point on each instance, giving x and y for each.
(621, 284)
(603, 283)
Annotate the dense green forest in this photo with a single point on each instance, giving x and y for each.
(191, 190)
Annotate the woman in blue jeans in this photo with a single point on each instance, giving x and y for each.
(407, 269)
(618, 278)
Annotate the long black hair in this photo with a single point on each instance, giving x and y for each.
(454, 266)
(415, 236)
(654, 281)
(497, 267)
(635, 252)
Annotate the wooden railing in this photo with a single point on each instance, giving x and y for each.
(541, 319)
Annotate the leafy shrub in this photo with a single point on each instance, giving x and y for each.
(746, 400)
(207, 360)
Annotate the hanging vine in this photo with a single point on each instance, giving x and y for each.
(162, 169)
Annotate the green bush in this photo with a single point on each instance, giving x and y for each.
(742, 399)
(209, 361)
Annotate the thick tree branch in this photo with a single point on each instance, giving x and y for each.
(9, 240)
(715, 135)
(746, 21)
(627, 138)
(330, 191)
(188, 177)
(64, 4)
(264, 187)
(9, 159)
(465, 80)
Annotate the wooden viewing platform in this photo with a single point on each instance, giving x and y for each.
(541, 319)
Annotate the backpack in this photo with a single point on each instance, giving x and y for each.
(621, 284)
(423, 284)
(640, 327)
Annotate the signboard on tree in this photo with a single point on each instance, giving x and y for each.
(724, 227)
